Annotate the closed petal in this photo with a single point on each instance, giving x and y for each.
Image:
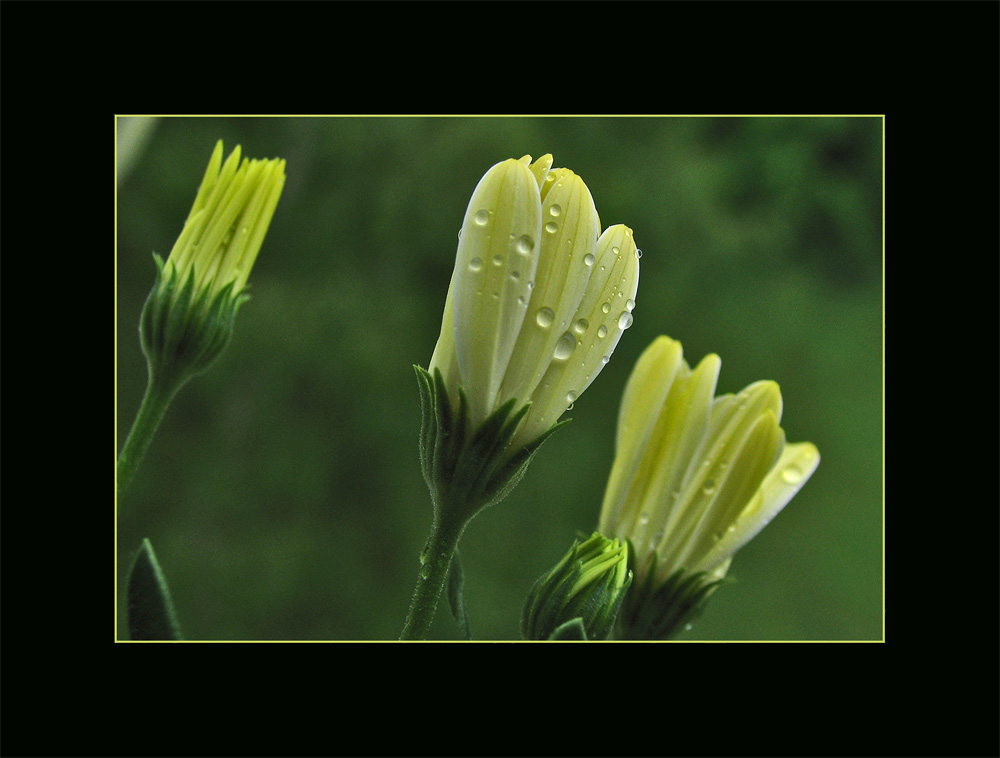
(496, 261)
(569, 231)
(591, 333)
(726, 482)
(797, 463)
(639, 416)
(677, 440)
(444, 358)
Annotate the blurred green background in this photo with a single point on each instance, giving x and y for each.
(283, 494)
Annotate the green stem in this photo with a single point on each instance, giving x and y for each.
(154, 406)
(435, 560)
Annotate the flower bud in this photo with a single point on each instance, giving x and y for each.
(585, 588)
(695, 477)
(538, 300)
(188, 317)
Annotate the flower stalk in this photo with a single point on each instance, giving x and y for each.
(538, 300)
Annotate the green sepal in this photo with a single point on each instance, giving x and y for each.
(456, 595)
(150, 610)
(182, 331)
(466, 469)
(573, 630)
(659, 610)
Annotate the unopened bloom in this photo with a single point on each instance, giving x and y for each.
(539, 296)
(695, 477)
(587, 584)
(188, 317)
(537, 303)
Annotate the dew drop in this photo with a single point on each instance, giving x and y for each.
(625, 320)
(792, 475)
(497, 260)
(616, 250)
(515, 275)
(481, 217)
(524, 245)
(602, 331)
(570, 397)
(555, 210)
(605, 359)
(552, 227)
(638, 253)
(629, 304)
(545, 317)
(581, 326)
(565, 347)
(606, 307)
(643, 519)
(475, 264)
(588, 259)
(709, 487)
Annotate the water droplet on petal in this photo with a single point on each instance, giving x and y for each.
(588, 259)
(497, 260)
(524, 245)
(602, 331)
(625, 320)
(545, 317)
(475, 264)
(555, 210)
(570, 397)
(565, 347)
(581, 326)
(481, 217)
(552, 227)
(638, 253)
(629, 304)
(709, 487)
(792, 475)
(606, 307)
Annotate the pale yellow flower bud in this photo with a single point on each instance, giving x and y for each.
(539, 297)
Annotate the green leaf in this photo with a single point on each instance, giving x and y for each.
(456, 595)
(150, 611)
(571, 630)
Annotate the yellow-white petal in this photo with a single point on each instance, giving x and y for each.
(723, 484)
(680, 434)
(494, 268)
(589, 336)
(638, 417)
(797, 463)
(569, 232)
